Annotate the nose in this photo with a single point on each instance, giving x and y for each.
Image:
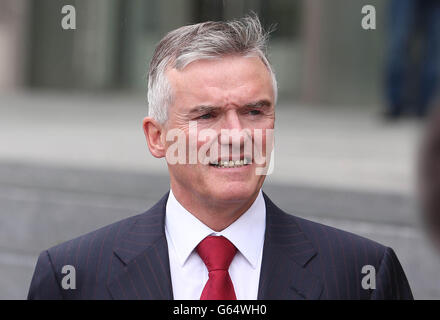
(233, 137)
(232, 128)
(232, 120)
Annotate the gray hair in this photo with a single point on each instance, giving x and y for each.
(205, 40)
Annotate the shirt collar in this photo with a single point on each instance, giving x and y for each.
(246, 233)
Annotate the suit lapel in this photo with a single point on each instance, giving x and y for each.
(143, 251)
(286, 252)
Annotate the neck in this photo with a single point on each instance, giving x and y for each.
(217, 215)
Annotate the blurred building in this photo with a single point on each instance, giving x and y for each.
(319, 50)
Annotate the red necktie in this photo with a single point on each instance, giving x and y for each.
(217, 254)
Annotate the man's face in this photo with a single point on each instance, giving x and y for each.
(225, 95)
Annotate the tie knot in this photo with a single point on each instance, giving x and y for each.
(216, 252)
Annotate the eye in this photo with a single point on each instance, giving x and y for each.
(206, 116)
(254, 112)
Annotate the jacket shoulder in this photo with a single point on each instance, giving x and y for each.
(94, 244)
(320, 233)
(86, 244)
(349, 266)
(324, 238)
(89, 258)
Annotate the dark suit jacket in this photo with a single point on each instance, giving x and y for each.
(301, 260)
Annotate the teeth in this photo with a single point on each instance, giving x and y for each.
(232, 163)
(247, 161)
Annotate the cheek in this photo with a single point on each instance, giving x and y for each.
(263, 137)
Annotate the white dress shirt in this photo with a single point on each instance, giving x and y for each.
(189, 273)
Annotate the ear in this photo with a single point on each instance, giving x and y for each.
(153, 131)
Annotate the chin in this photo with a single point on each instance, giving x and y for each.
(234, 192)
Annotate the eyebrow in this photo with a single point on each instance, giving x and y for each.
(210, 108)
(258, 104)
(202, 109)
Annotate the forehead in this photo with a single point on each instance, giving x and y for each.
(232, 79)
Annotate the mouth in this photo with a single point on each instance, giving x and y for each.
(244, 161)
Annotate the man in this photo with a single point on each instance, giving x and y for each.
(216, 235)
(429, 177)
(406, 18)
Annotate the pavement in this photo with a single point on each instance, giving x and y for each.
(71, 163)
